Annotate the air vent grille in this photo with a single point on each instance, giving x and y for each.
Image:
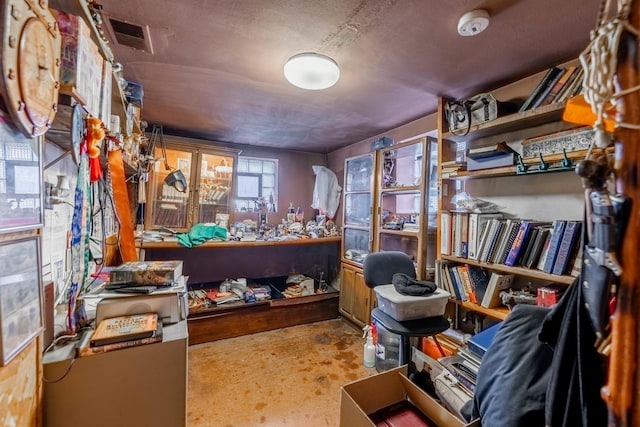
(129, 34)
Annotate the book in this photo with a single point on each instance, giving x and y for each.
(479, 280)
(545, 250)
(570, 237)
(540, 242)
(490, 238)
(495, 240)
(547, 87)
(124, 328)
(554, 245)
(158, 273)
(497, 283)
(551, 72)
(480, 342)
(507, 240)
(520, 241)
(477, 225)
(445, 233)
(85, 349)
(557, 87)
(457, 278)
(460, 234)
(488, 151)
(468, 285)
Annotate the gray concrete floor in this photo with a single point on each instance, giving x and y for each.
(287, 377)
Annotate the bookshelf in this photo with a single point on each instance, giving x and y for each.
(546, 192)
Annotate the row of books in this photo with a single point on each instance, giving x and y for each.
(470, 283)
(551, 247)
(557, 85)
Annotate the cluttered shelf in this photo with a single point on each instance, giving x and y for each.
(529, 118)
(240, 244)
(521, 271)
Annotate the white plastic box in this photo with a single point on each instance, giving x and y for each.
(405, 307)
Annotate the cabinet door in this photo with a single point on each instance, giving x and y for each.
(214, 188)
(355, 296)
(168, 207)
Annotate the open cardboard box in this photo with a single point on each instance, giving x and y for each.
(366, 396)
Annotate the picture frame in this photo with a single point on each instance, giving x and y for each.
(185, 166)
(21, 182)
(21, 318)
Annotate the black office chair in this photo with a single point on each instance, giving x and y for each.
(378, 269)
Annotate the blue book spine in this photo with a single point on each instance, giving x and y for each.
(554, 245)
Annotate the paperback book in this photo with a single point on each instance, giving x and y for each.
(85, 349)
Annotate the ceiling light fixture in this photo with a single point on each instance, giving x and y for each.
(312, 71)
(473, 23)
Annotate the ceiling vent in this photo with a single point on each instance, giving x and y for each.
(128, 34)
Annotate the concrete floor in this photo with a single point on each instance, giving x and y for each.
(287, 377)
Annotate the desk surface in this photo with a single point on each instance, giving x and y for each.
(241, 244)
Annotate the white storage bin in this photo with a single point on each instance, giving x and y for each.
(405, 307)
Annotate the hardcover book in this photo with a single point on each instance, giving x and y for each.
(520, 241)
(479, 280)
(477, 225)
(554, 245)
(124, 328)
(567, 248)
(542, 238)
(497, 283)
(158, 273)
(85, 349)
(480, 342)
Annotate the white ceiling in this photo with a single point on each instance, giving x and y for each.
(216, 67)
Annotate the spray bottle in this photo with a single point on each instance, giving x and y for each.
(369, 348)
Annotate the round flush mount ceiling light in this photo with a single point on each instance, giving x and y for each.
(474, 22)
(311, 71)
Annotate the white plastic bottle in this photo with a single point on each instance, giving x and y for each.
(369, 349)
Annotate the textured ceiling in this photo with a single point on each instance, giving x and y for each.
(216, 69)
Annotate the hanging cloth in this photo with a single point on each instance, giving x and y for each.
(123, 211)
(326, 192)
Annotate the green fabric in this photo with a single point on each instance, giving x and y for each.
(200, 233)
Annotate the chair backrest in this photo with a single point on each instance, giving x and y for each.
(379, 267)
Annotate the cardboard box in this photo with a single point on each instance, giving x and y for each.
(360, 398)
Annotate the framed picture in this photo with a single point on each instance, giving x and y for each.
(21, 201)
(185, 166)
(20, 295)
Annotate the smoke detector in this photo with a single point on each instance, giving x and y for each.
(474, 22)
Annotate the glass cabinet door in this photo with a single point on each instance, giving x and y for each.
(214, 188)
(358, 208)
(167, 206)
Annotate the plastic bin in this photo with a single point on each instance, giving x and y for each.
(405, 307)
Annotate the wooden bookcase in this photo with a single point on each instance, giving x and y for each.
(545, 195)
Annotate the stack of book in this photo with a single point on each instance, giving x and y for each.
(122, 332)
(451, 168)
(145, 276)
(470, 283)
(488, 237)
(557, 85)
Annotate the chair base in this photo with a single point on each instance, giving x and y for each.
(410, 328)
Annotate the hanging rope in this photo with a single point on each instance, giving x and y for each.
(599, 61)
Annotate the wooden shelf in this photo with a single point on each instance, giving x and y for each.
(520, 271)
(241, 244)
(407, 189)
(512, 122)
(499, 313)
(400, 233)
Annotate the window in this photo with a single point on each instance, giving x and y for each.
(257, 179)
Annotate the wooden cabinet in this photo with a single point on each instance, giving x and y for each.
(356, 298)
(527, 189)
(390, 204)
(210, 176)
(407, 202)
